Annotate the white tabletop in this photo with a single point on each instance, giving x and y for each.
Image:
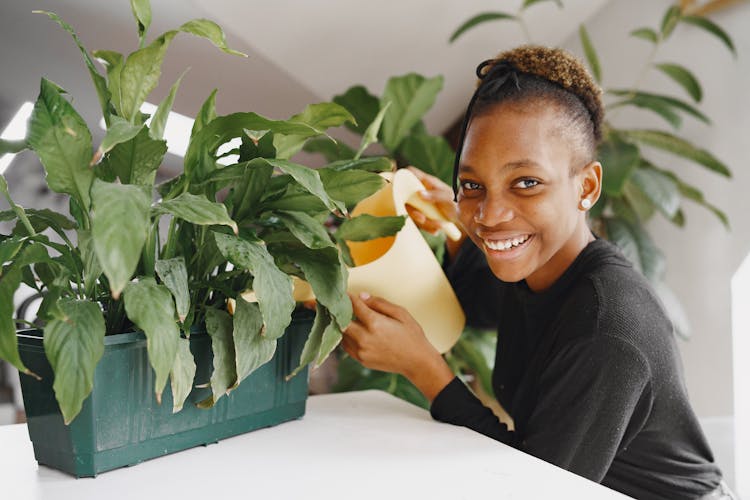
(354, 445)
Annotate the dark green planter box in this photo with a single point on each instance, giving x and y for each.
(122, 424)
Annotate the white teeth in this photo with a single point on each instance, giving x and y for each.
(503, 245)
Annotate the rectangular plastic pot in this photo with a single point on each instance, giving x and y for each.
(121, 423)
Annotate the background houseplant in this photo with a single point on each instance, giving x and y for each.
(227, 226)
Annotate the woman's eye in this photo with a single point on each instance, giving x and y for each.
(469, 186)
(526, 183)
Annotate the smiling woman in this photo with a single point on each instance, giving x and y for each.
(586, 361)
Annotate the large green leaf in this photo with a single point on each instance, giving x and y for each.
(149, 305)
(159, 120)
(140, 75)
(92, 269)
(61, 139)
(324, 336)
(250, 189)
(361, 104)
(100, 84)
(684, 78)
(306, 229)
(659, 103)
(319, 116)
(411, 96)
(272, 287)
(678, 146)
(173, 273)
(713, 28)
(206, 114)
(368, 164)
(211, 32)
(182, 374)
(137, 160)
(113, 62)
(224, 376)
(119, 227)
(619, 159)
(142, 13)
(619, 233)
(252, 348)
(659, 188)
(9, 283)
(590, 51)
(74, 343)
(371, 133)
(197, 209)
(693, 193)
(350, 186)
(429, 153)
(480, 19)
(638, 201)
(12, 146)
(119, 131)
(670, 20)
(366, 227)
(331, 151)
(309, 179)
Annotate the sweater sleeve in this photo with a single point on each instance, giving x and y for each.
(594, 396)
(457, 405)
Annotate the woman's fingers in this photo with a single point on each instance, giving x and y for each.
(384, 307)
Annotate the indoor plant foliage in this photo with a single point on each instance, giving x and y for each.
(252, 224)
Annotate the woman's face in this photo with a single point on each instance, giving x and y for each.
(517, 198)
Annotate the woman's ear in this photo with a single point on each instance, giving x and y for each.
(590, 181)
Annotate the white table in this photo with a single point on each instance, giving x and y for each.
(355, 445)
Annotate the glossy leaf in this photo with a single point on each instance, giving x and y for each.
(684, 78)
(74, 343)
(411, 96)
(368, 164)
(680, 147)
(366, 227)
(696, 195)
(482, 18)
(660, 189)
(431, 154)
(371, 133)
(149, 305)
(252, 348)
(272, 287)
(159, 119)
(653, 101)
(321, 117)
(314, 339)
(362, 105)
(638, 201)
(670, 20)
(119, 131)
(619, 158)
(142, 13)
(331, 151)
(119, 226)
(350, 186)
(619, 233)
(306, 229)
(590, 51)
(210, 31)
(250, 188)
(197, 209)
(92, 269)
(206, 114)
(9, 283)
(309, 179)
(136, 161)
(113, 62)
(713, 28)
(224, 376)
(61, 139)
(182, 374)
(646, 34)
(173, 274)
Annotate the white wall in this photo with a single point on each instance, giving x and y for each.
(702, 257)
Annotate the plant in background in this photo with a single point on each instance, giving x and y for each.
(228, 227)
(635, 186)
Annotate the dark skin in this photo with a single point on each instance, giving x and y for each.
(522, 182)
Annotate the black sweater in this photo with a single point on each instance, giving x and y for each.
(590, 373)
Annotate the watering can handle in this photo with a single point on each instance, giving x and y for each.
(431, 211)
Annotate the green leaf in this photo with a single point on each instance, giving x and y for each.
(680, 147)
(252, 348)
(206, 114)
(149, 305)
(646, 34)
(12, 146)
(314, 339)
(371, 134)
(119, 227)
(431, 154)
(74, 343)
(368, 164)
(99, 83)
(61, 139)
(640, 203)
(619, 233)
(309, 179)
(211, 32)
(658, 103)
(362, 105)
(695, 194)
(142, 13)
(684, 78)
(712, 28)
(92, 269)
(136, 161)
(182, 374)
(320, 117)
(250, 189)
(480, 19)
(224, 376)
(588, 49)
(411, 96)
(306, 229)
(659, 188)
(173, 273)
(670, 20)
(119, 131)
(350, 186)
(619, 158)
(529, 3)
(113, 62)
(331, 151)
(140, 75)
(197, 209)
(9, 283)
(272, 287)
(159, 120)
(367, 227)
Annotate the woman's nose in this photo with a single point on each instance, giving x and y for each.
(493, 210)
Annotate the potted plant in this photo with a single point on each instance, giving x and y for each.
(130, 283)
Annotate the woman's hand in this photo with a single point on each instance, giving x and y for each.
(386, 337)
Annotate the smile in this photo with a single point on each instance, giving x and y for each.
(505, 245)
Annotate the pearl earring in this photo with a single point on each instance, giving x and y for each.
(585, 203)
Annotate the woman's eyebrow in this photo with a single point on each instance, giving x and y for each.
(465, 168)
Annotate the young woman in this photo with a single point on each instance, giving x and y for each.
(586, 359)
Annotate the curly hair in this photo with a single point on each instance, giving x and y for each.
(535, 73)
